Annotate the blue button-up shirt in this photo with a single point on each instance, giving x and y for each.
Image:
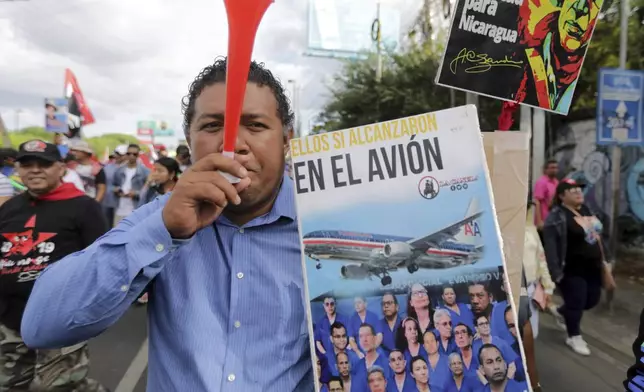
(227, 310)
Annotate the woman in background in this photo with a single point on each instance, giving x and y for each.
(577, 258)
(539, 285)
(162, 180)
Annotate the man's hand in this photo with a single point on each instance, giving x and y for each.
(201, 194)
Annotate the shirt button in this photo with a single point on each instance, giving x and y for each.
(124, 288)
(240, 275)
(159, 248)
(237, 324)
(241, 230)
(231, 377)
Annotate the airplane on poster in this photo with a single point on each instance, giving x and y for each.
(377, 255)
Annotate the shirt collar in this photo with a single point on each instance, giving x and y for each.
(284, 205)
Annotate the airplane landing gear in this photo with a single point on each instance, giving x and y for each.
(412, 267)
(318, 265)
(385, 279)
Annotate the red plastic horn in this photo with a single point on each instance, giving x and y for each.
(244, 17)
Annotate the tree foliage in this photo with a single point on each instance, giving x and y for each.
(407, 86)
(98, 143)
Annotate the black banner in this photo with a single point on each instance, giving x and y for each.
(526, 51)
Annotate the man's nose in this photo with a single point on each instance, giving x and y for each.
(241, 147)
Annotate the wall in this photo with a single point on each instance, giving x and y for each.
(573, 145)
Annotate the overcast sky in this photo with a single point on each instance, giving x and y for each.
(134, 59)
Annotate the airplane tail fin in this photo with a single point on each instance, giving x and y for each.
(473, 207)
(470, 233)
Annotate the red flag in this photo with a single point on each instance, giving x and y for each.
(77, 105)
(505, 118)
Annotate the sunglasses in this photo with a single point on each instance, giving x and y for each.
(134, 154)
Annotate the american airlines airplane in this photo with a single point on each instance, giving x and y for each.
(377, 255)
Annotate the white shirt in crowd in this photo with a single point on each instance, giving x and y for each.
(73, 178)
(6, 189)
(126, 204)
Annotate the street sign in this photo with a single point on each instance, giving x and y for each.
(620, 107)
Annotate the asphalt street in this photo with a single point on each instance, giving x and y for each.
(119, 359)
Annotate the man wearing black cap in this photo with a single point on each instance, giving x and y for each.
(576, 256)
(49, 221)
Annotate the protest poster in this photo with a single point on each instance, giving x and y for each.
(56, 115)
(401, 249)
(526, 51)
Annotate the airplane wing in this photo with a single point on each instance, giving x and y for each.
(446, 233)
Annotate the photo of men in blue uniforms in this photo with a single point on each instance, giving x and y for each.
(495, 370)
(400, 379)
(390, 322)
(323, 327)
(339, 339)
(459, 311)
(361, 316)
(448, 357)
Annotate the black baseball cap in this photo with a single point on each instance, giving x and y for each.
(40, 150)
(568, 183)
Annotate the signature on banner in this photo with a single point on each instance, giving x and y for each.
(480, 62)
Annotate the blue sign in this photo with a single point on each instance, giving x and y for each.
(620, 107)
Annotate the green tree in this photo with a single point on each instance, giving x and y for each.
(98, 143)
(407, 88)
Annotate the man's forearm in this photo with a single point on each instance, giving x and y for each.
(80, 296)
(100, 192)
(537, 213)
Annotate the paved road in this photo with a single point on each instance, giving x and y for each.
(561, 370)
(115, 351)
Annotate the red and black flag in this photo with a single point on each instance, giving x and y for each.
(79, 113)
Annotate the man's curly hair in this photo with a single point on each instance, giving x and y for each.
(216, 73)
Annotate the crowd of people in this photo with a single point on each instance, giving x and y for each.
(414, 347)
(57, 199)
(81, 241)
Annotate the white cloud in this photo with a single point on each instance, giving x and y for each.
(135, 59)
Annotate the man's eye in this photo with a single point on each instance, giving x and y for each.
(213, 126)
(256, 125)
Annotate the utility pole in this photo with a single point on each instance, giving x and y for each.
(376, 35)
(617, 148)
(472, 99)
(296, 107)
